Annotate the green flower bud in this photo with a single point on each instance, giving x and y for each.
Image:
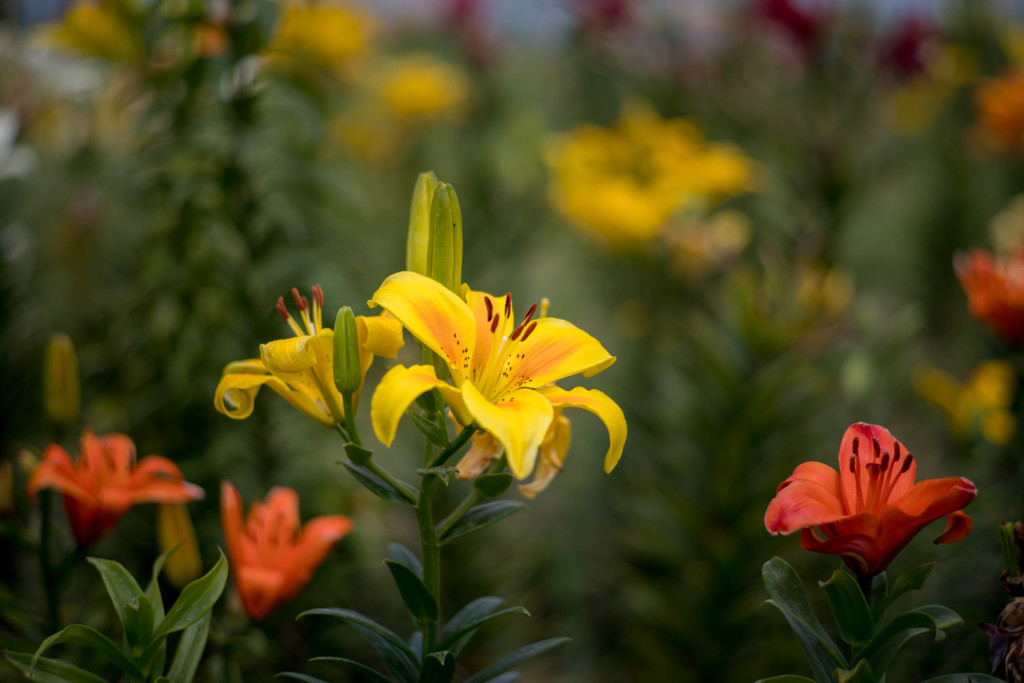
(347, 373)
(419, 223)
(444, 257)
(62, 386)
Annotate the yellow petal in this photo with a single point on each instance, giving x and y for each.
(396, 392)
(518, 421)
(237, 389)
(288, 355)
(552, 455)
(433, 314)
(381, 335)
(598, 403)
(484, 449)
(552, 350)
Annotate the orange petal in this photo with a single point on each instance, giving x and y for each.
(958, 525)
(551, 351)
(801, 504)
(58, 472)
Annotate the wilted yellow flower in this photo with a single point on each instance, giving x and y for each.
(324, 35)
(95, 30)
(422, 87)
(624, 183)
(175, 529)
(982, 403)
(62, 385)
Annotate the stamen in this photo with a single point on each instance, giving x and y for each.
(515, 333)
(298, 298)
(856, 445)
(490, 308)
(885, 461)
(529, 315)
(318, 295)
(508, 304)
(530, 329)
(282, 309)
(494, 323)
(876, 447)
(305, 304)
(544, 303)
(907, 463)
(896, 453)
(853, 461)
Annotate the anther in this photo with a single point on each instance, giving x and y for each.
(874, 468)
(304, 304)
(490, 308)
(529, 330)
(896, 453)
(853, 461)
(876, 447)
(508, 304)
(282, 309)
(297, 297)
(318, 295)
(529, 315)
(885, 461)
(515, 333)
(907, 463)
(856, 445)
(494, 323)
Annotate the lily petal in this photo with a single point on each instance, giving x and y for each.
(396, 392)
(433, 314)
(598, 403)
(236, 396)
(58, 472)
(958, 525)
(802, 503)
(381, 335)
(290, 355)
(518, 421)
(551, 351)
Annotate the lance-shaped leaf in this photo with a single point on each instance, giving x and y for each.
(396, 654)
(788, 596)
(472, 611)
(357, 454)
(964, 678)
(481, 516)
(911, 580)
(452, 638)
(369, 673)
(139, 622)
(435, 433)
(190, 651)
(442, 472)
(859, 674)
(518, 657)
(494, 484)
(76, 633)
(121, 587)
(159, 656)
(45, 670)
(381, 488)
(399, 553)
(786, 678)
(415, 594)
(438, 667)
(897, 631)
(849, 608)
(300, 677)
(196, 599)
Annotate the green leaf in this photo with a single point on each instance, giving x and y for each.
(415, 594)
(481, 516)
(509, 661)
(506, 677)
(494, 484)
(888, 640)
(196, 600)
(473, 611)
(379, 487)
(849, 608)
(76, 633)
(138, 625)
(964, 678)
(299, 677)
(442, 472)
(396, 654)
(50, 670)
(453, 637)
(911, 580)
(859, 674)
(158, 657)
(786, 678)
(370, 673)
(190, 651)
(357, 454)
(788, 596)
(438, 667)
(879, 593)
(435, 433)
(402, 555)
(121, 586)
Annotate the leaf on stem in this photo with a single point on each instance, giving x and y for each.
(494, 484)
(368, 672)
(481, 516)
(379, 487)
(858, 674)
(438, 667)
(443, 473)
(45, 670)
(121, 586)
(509, 661)
(911, 580)
(399, 553)
(849, 608)
(888, 640)
(435, 433)
(196, 600)
(477, 609)
(190, 651)
(454, 636)
(77, 633)
(415, 594)
(357, 454)
(396, 654)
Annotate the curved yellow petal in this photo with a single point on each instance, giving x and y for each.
(237, 389)
(552, 455)
(433, 314)
(550, 351)
(518, 421)
(381, 335)
(290, 355)
(598, 403)
(396, 392)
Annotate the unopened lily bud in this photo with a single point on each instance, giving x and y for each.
(444, 257)
(419, 223)
(63, 389)
(6, 489)
(347, 373)
(174, 528)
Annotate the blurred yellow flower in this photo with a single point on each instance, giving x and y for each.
(329, 36)
(174, 529)
(62, 395)
(422, 87)
(982, 403)
(700, 246)
(95, 30)
(623, 184)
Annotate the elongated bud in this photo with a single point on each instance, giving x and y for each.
(347, 373)
(63, 388)
(419, 223)
(444, 257)
(174, 528)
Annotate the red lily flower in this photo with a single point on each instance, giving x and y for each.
(273, 555)
(995, 291)
(106, 482)
(870, 509)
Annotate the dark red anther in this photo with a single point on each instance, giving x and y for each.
(282, 309)
(305, 304)
(856, 445)
(297, 297)
(516, 332)
(907, 463)
(529, 330)
(874, 468)
(885, 461)
(494, 323)
(853, 461)
(529, 315)
(508, 305)
(490, 308)
(876, 447)
(896, 453)
(318, 295)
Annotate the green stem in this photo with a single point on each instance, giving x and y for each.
(350, 418)
(453, 447)
(458, 513)
(430, 551)
(50, 579)
(381, 472)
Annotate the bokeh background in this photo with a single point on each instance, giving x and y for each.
(754, 205)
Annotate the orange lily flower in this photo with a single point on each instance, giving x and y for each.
(870, 509)
(106, 482)
(273, 555)
(995, 290)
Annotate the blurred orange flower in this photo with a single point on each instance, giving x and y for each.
(106, 481)
(995, 290)
(273, 555)
(869, 510)
(1000, 106)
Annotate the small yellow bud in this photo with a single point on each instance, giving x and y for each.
(63, 388)
(174, 528)
(419, 223)
(347, 372)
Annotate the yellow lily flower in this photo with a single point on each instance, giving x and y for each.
(301, 368)
(502, 372)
